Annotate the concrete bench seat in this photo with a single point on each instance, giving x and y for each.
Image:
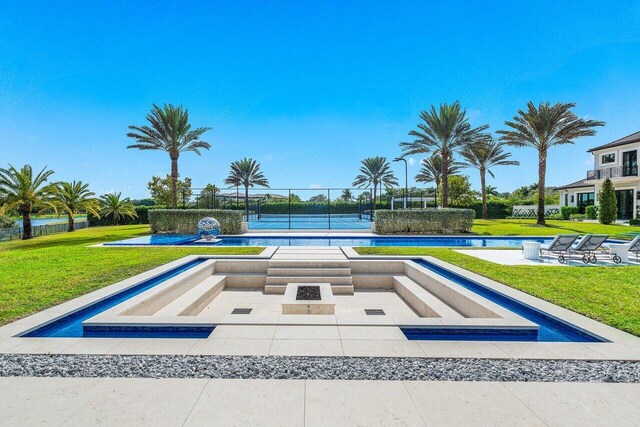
(196, 299)
(421, 300)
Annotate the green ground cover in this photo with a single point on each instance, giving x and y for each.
(608, 294)
(528, 227)
(45, 271)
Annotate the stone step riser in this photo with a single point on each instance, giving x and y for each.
(297, 271)
(280, 280)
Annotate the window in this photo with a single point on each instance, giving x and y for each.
(585, 199)
(630, 163)
(608, 158)
(566, 199)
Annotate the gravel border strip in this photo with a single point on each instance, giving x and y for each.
(317, 368)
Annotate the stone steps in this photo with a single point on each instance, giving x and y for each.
(196, 299)
(422, 301)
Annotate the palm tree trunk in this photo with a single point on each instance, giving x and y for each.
(246, 202)
(542, 172)
(445, 181)
(26, 225)
(71, 223)
(436, 197)
(375, 193)
(174, 182)
(483, 187)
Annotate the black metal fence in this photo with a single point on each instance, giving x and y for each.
(40, 230)
(306, 208)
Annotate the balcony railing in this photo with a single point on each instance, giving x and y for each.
(613, 172)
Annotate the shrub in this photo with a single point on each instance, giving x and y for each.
(608, 211)
(6, 222)
(567, 211)
(185, 221)
(634, 221)
(496, 208)
(424, 221)
(591, 212)
(577, 217)
(555, 216)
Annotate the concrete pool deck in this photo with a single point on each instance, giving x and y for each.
(187, 402)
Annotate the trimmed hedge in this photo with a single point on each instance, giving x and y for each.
(185, 221)
(496, 209)
(567, 211)
(424, 221)
(337, 207)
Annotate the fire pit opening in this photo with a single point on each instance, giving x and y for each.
(308, 293)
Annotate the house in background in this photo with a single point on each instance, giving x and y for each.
(617, 160)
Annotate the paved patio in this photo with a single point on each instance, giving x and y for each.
(186, 402)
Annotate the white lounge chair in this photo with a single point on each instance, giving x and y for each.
(560, 246)
(589, 245)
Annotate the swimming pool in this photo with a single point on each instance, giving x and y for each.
(433, 241)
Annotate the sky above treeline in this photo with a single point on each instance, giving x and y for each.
(306, 88)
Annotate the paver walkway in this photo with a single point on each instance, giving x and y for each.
(177, 402)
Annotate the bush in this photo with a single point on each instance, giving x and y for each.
(577, 217)
(6, 222)
(185, 221)
(608, 211)
(496, 208)
(591, 212)
(143, 217)
(557, 216)
(567, 211)
(634, 221)
(424, 221)
(337, 207)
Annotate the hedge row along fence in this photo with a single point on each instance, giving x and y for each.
(311, 207)
(142, 218)
(185, 221)
(425, 221)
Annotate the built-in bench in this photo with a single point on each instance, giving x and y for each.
(422, 301)
(196, 299)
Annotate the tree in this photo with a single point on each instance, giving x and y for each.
(74, 198)
(170, 131)
(492, 191)
(375, 171)
(246, 172)
(460, 192)
(207, 195)
(114, 205)
(319, 198)
(346, 195)
(431, 171)
(483, 155)
(444, 131)
(294, 198)
(25, 192)
(161, 189)
(608, 210)
(544, 127)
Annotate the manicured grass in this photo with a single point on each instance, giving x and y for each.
(45, 271)
(608, 294)
(528, 227)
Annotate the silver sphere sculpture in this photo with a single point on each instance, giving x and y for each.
(209, 228)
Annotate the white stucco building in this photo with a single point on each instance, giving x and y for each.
(617, 160)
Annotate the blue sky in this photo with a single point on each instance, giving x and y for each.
(306, 88)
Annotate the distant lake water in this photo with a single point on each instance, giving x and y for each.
(42, 221)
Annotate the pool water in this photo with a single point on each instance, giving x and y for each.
(435, 241)
(550, 328)
(70, 325)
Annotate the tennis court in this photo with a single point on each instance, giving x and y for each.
(309, 221)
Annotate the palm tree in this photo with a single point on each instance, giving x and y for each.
(24, 192)
(542, 128)
(346, 195)
(170, 131)
(246, 172)
(375, 171)
(443, 131)
(73, 198)
(114, 205)
(431, 171)
(483, 155)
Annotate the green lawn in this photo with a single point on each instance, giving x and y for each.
(608, 294)
(528, 227)
(45, 271)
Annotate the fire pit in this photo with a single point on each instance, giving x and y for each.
(308, 298)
